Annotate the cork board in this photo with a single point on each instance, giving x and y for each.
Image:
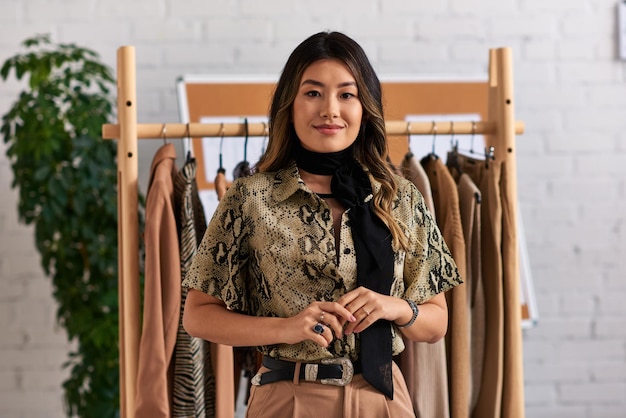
(208, 98)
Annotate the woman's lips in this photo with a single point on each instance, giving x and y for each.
(328, 129)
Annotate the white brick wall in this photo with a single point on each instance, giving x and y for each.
(570, 93)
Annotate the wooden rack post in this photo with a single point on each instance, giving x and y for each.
(128, 229)
(502, 112)
(500, 131)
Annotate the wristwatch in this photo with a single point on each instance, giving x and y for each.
(416, 312)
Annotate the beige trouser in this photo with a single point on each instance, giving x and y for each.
(358, 399)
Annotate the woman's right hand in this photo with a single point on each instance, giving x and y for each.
(241, 330)
(331, 315)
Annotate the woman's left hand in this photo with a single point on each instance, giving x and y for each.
(368, 306)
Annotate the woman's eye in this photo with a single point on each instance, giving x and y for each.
(312, 93)
(347, 95)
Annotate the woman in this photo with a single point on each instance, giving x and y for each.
(323, 255)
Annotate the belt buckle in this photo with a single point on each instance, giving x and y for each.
(346, 374)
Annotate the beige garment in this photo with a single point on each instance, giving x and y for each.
(470, 199)
(513, 373)
(424, 365)
(358, 399)
(220, 184)
(222, 364)
(487, 178)
(445, 197)
(412, 170)
(162, 291)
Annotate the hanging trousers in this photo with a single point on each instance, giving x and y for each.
(424, 365)
(487, 178)
(470, 201)
(513, 381)
(445, 197)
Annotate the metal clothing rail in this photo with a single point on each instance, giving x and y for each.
(499, 130)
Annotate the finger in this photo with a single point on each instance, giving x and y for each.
(365, 317)
(338, 311)
(336, 317)
(334, 324)
(349, 297)
(323, 335)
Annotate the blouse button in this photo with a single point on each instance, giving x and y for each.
(346, 250)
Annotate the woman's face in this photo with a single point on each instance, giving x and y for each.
(327, 111)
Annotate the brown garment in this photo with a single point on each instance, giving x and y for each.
(412, 170)
(424, 365)
(470, 200)
(286, 399)
(162, 291)
(222, 364)
(446, 200)
(487, 178)
(220, 184)
(513, 374)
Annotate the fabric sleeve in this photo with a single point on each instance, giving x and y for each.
(220, 263)
(429, 268)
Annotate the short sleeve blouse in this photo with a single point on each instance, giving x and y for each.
(269, 250)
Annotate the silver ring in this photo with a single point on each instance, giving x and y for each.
(318, 328)
(366, 311)
(322, 316)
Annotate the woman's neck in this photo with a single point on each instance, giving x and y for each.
(318, 183)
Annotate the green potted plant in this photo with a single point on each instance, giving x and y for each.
(66, 177)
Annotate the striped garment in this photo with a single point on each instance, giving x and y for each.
(194, 380)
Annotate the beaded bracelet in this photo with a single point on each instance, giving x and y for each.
(416, 312)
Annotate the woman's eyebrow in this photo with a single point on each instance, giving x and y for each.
(320, 84)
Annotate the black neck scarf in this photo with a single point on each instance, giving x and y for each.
(351, 186)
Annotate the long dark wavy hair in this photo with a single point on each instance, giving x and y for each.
(370, 147)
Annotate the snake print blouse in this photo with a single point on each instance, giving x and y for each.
(269, 250)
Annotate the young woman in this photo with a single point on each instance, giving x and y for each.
(323, 256)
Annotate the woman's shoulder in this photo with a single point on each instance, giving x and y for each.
(267, 182)
(409, 196)
(405, 185)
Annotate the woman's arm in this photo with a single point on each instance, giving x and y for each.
(207, 317)
(368, 307)
(430, 325)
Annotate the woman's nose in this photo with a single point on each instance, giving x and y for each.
(330, 108)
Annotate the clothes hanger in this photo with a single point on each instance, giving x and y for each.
(265, 136)
(409, 154)
(220, 178)
(432, 155)
(163, 134)
(452, 162)
(189, 158)
(488, 154)
(220, 168)
(242, 169)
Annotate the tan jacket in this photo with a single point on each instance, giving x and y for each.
(162, 291)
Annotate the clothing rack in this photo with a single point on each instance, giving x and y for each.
(499, 129)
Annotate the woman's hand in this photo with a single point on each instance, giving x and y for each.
(331, 315)
(368, 306)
